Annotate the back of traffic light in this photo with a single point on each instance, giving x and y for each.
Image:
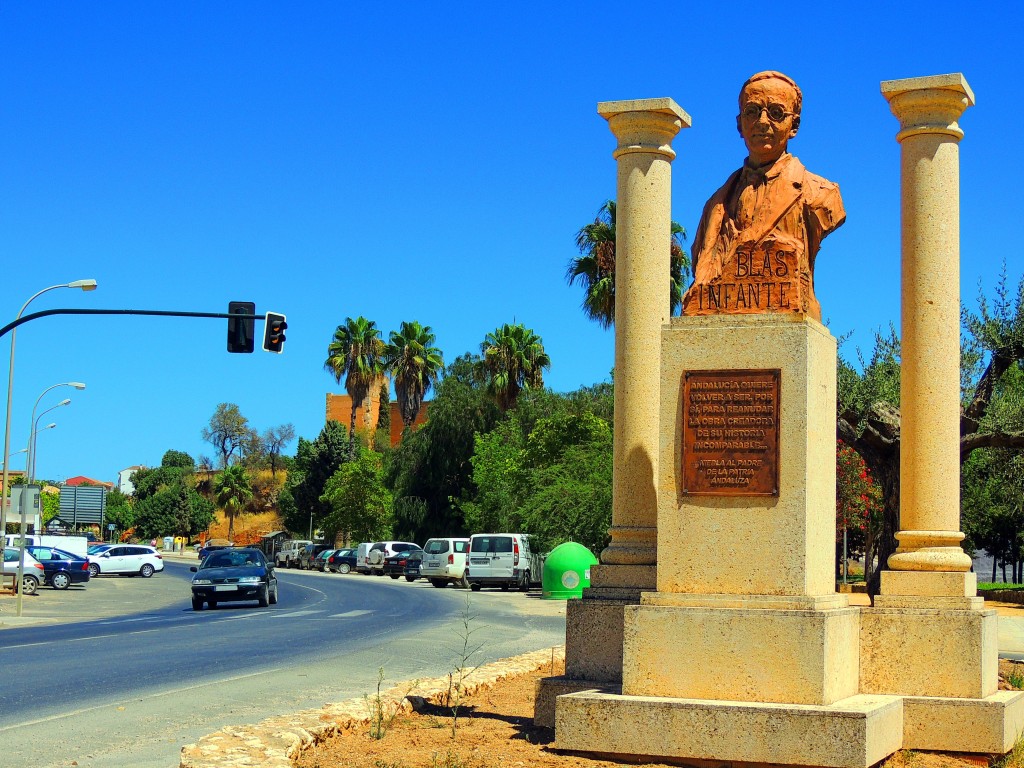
(241, 332)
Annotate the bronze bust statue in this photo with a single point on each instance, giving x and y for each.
(760, 232)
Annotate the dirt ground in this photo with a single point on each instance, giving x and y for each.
(495, 730)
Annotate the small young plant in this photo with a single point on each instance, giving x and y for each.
(1016, 678)
(458, 676)
(383, 711)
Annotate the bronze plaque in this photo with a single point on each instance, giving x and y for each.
(731, 433)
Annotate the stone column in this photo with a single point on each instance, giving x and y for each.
(927, 109)
(644, 129)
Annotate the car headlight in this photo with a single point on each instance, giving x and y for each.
(201, 581)
(249, 580)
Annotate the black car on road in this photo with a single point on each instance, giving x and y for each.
(61, 569)
(232, 575)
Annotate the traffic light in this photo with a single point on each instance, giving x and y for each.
(273, 332)
(241, 332)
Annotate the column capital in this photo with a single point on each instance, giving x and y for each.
(644, 125)
(930, 104)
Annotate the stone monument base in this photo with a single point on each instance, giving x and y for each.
(594, 635)
(856, 732)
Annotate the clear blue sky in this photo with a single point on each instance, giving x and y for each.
(414, 161)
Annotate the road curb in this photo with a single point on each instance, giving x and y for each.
(277, 741)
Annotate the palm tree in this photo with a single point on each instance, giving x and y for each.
(595, 266)
(513, 360)
(356, 353)
(415, 364)
(233, 492)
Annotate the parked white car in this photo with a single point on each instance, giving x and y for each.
(32, 572)
(133, 559)
(382, 549)
(444, 561)
(502, 560)
(288, 555)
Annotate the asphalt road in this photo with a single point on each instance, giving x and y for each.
(131, 687)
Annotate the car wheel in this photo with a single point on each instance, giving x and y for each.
(439, 583)
(146, 570)
(94, 570)
(475, 587)
(504, 587)
(197, 604)
(410, 579)
(212, 604)
(29, 585)
(273, 595)
(344, 568)
(61, 580)
(393, 576)
(524, 583)
(264, 597)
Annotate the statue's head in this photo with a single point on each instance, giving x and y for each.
(769, 115)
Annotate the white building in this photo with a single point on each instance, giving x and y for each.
(124, 479)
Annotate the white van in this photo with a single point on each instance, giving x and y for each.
(502, 560)
(381, 549)
(76, 545)
(288, 555)
(363, 557)
(444, 561)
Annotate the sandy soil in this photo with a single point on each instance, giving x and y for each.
(495, 729)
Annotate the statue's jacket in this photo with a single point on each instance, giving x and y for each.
(758, 237)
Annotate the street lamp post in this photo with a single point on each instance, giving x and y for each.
(25, 489)
(85, 285)
(33, 424)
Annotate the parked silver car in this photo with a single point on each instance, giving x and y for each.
(33, 573)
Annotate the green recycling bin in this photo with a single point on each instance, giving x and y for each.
(567, 571)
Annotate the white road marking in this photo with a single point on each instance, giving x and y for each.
(349, 614)
(72, 713)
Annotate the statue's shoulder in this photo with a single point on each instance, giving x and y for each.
(722, 193)
(812, 183)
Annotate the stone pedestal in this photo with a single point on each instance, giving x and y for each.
(745, 653)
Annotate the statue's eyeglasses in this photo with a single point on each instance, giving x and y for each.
(776, 113)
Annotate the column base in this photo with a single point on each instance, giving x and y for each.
(929, 551)
(631, 545)
(856, 732)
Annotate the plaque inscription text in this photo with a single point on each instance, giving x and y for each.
(731, 432)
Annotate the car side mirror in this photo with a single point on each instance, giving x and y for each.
(105, 554)
(193, 569)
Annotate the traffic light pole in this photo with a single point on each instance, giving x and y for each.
(150, 312)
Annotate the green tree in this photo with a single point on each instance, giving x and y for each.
(513, 360)
(431, 466)
(315, 463)
(869, 418)
(233, 490)
(595, 266)
(359, 501)
(571, 499)
(355, 353)
(415, 364)
(120, 509)
(228, 432)
(500, 478)
(165, 500)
